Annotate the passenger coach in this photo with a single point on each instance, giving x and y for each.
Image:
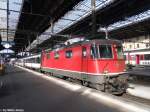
(33, 62)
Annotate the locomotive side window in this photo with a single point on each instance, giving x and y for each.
(105, 51)
(94, 51)
(69, 54)
(125, 57)
(48, 56)
(119, 52)
(84, 52)
(56, 55)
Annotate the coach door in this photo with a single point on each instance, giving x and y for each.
(137, 59)
(84, 59)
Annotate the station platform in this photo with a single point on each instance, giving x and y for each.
(23, 91)
(29, 93)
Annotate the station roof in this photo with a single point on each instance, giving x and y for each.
(73, 17)
(9, 16)
(134, 30)
(36, 16)
(118, 10)
(127, 13)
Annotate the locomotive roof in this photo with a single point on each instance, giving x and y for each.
(96, 41)
(102, 41)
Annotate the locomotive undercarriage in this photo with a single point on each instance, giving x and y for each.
(116, 84)
(113, 84)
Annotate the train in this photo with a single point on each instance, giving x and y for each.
(138, 58)
(97, 63)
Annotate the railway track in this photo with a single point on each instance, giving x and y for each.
(136, 99)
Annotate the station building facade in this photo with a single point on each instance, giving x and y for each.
(137, 50)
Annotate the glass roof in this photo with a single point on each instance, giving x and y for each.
(80, 11)
(14, 7)
(128, 21)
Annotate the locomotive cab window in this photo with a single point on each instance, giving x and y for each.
(56, 55)
(69, 54)
(105, 51)
(48, 56)
(119, 52)
(94, 51)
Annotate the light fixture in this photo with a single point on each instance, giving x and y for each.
(7, 45)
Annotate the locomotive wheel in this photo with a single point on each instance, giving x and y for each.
(85, 83)
(51, 74)
(77, 81)
(68, 79)
(64, 78)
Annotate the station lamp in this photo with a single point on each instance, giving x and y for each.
(7, 45)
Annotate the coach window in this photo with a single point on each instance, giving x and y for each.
(105, 51)
(147, 44)
(56, 55)
(137, 45)
(119, 52)
(38, 59)
(48, 56)
(69, 54)
(27, 61)
(32, 60)
(84, 51)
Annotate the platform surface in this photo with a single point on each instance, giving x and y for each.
(29, 93)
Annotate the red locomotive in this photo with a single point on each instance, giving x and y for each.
(96, 63)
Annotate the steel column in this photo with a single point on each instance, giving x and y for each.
(93, 6)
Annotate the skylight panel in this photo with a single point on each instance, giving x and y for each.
(3, 22)
(3, 4)
(15, 4)
(130, 20)
(13, 18)
(85, 5)
(80, 11)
